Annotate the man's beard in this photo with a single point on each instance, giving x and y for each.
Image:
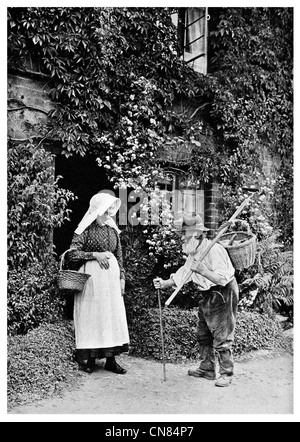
(191, 246)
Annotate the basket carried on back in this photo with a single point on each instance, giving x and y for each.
(70, 280)
(241, 247)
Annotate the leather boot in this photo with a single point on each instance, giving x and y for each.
(224, 381)
(112, 365)
(90, 365)
(207, 368)
(197, 373)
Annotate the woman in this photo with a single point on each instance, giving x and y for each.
(99, 313)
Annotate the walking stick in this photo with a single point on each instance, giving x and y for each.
(162, 335)
(212, 243)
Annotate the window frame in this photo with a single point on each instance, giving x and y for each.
(181, 21)
(180, 194)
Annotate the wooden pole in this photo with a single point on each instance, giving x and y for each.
(162, 335)
(211, 244)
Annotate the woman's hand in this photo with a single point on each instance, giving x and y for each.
(122, 282)
(102, 258)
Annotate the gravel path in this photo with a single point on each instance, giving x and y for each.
(263, 384)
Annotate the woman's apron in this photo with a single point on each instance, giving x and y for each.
(99, 311)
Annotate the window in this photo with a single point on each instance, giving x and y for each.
(185, 193)
(191, 196)
(191, 24)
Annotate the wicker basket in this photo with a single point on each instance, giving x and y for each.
(242, 254)
(71, 280)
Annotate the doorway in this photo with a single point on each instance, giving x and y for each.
(84, 178)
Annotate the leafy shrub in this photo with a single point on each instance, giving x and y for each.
(179, 334)
(33, 297)
(36, 204)
(140, 270)
(40, 362)
(256, 331)
(253, 332)
(146, 259)
(267, 286)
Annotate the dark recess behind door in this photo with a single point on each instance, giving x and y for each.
(84, 178)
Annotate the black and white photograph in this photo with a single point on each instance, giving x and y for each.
(150, 215)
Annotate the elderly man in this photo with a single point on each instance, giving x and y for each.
(214, 276)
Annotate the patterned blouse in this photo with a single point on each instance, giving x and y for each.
(94, 238)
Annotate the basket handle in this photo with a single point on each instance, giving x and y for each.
(244, 222)
(62, 258)
(232, 240)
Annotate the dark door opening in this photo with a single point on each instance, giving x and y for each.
(84, 178)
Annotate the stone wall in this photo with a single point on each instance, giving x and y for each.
(28, 105)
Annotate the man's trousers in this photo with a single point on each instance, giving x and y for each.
(216, 326)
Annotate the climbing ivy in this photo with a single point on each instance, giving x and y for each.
(247, 98)
(252, 87)
(115, 74)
